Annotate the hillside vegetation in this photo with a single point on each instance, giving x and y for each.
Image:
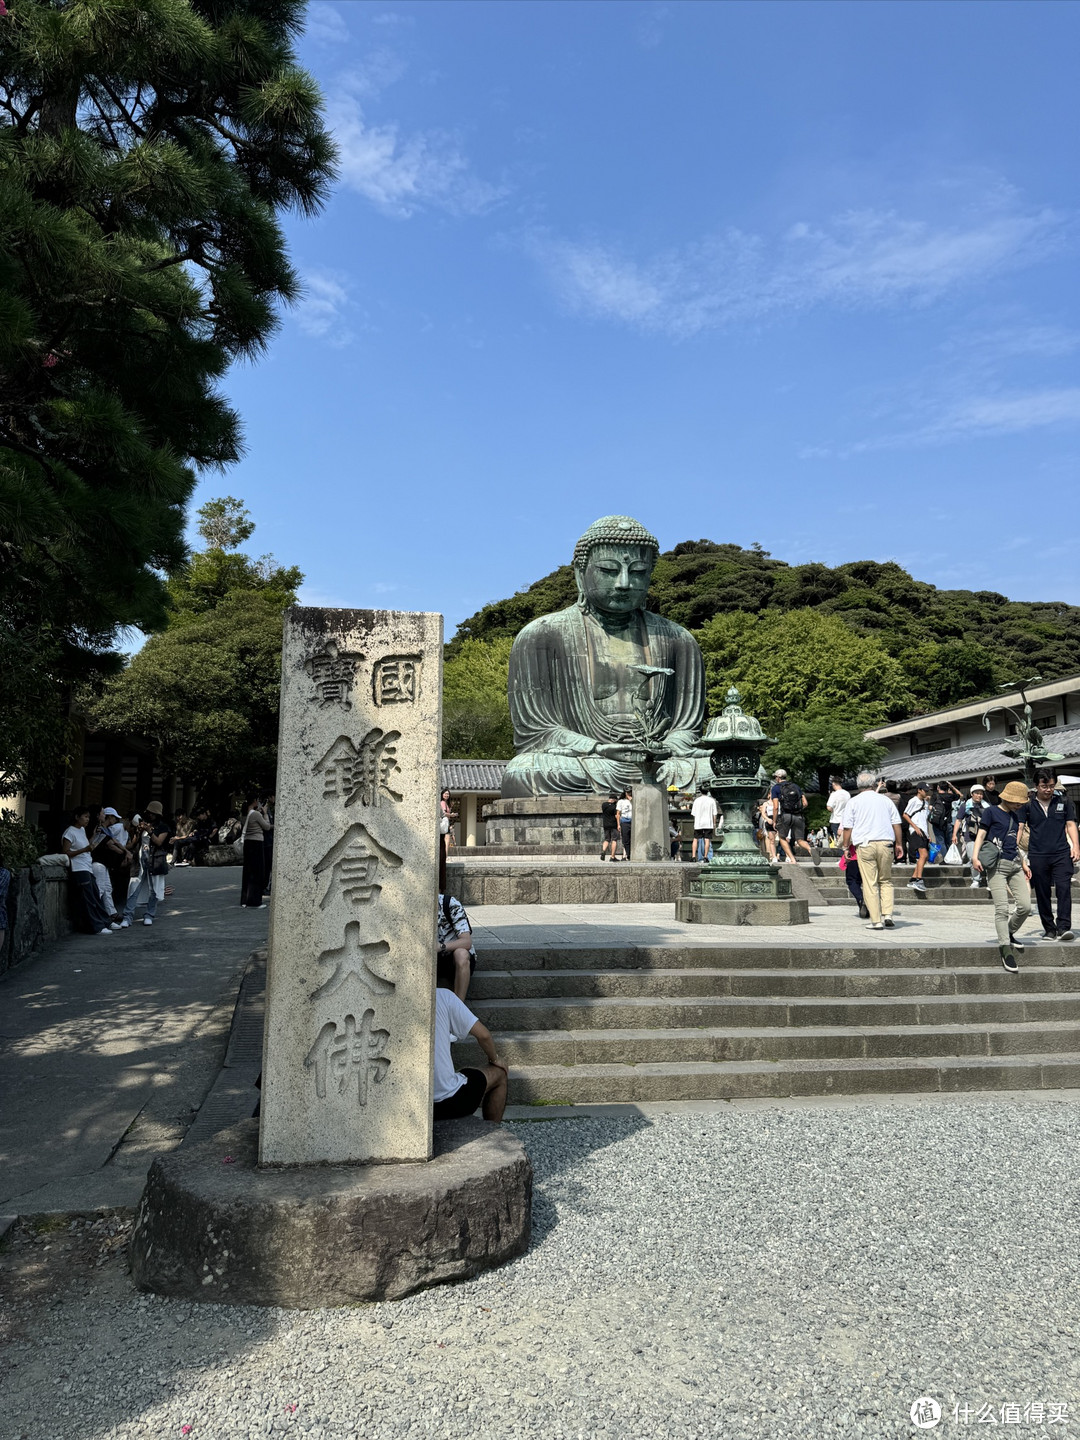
(819, 654)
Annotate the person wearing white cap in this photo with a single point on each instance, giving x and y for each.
(966, 827)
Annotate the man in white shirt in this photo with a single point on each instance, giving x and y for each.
(704, 811)
(81, 859)
(459, 1092)
(917, 816)
(838, 798)
(872, 826)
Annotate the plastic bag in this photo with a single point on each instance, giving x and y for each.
(953, 856)
(935, 853)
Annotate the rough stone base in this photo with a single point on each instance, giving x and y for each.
(703, 910)
(212, 1226)
(543, 821)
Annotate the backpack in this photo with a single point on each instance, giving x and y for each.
(940, 815)
(790, 798)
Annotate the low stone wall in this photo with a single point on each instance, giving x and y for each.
(38, 909)
(487, 883)
(221, 855)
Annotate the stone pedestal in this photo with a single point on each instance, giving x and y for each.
(546, 822)
(347, 1070)
(712, 910)
(214, 1226)
(649, 830)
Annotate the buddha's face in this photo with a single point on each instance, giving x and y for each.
(616, 578)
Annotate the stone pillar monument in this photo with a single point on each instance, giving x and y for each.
(350, 984)
(304, 1206)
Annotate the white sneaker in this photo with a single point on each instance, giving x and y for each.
(125, 924)
(104, 932)
(147, 921)
(975, 885)
(115, 925)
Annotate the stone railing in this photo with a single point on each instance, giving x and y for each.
(37, 909)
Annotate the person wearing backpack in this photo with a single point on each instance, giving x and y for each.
(789, 802)
(966, 827)
(941, 814)
(455, 959)
(917, 819)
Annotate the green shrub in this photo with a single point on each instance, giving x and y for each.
(20, 844)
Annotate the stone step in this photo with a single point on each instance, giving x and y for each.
(908, 898)
(730, 1080)
(991, 979)
(736, 956)
(714, 1044)
(566, 1012)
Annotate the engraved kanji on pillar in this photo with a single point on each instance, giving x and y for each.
(347, 1062)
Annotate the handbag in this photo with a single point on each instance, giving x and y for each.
(990, 854)
(159, 862)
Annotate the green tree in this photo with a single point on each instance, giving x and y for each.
(815, 746)
(146, 150)
(205, 690)
(476, 711)
(225, 523)
(789, 665)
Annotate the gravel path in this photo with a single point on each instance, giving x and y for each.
(771, 1273)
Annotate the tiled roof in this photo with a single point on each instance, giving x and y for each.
(472, 777)
(987, 758)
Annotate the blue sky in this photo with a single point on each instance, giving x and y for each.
(796, 273)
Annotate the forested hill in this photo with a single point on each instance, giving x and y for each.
(952, 644)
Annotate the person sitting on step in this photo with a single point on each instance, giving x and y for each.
(459, 1092)
(455, 959)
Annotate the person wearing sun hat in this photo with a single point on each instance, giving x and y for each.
(150, 842)
(1006, 868)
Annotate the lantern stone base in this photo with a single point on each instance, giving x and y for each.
(712, 910)
(213, 1226)
(756, 896)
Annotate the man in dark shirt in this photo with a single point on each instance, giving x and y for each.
(610, 818)
(1050, 836)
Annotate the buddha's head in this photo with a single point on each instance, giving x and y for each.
(613, 564)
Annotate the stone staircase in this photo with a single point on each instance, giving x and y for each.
(634, 1023)
(945, 884)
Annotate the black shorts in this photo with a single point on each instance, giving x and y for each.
(791, 827)
(703, 834)
(611, 832)
(465, 1100)
(917, 843)
(446, 970)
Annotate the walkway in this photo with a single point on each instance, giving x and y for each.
(108, 1045)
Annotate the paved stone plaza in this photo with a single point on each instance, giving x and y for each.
(765, 1268)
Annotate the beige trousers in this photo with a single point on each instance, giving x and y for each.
(875, 870)
(1006, 876)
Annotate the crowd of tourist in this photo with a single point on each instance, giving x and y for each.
(119, 862)
(1013, 838)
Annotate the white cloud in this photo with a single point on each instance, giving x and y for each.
(323, 307)
(326, 25)
(400, 174)
(866, 258)
(1008, 414)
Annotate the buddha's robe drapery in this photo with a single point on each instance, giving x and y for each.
(572, 688)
